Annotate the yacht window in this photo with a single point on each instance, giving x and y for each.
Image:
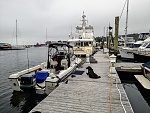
(148, 46)
(137, 45)
(86, 44)
(90, 44)
(81, 44)
(78, 44)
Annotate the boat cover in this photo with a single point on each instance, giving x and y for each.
(147, 64)
(41, 76)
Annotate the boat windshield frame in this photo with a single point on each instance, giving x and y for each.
(59, 44)
(59, 48)
(144, 45)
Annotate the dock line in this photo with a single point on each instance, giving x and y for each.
(120, 97)
(110, 93)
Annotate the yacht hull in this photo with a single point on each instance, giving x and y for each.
(127, 53)
(141, 58)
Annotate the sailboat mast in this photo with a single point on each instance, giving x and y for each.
(46, 34)
(16, 34)
(126, 21)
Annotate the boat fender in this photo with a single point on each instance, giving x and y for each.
(58, 78)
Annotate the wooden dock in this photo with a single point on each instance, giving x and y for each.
(128, 67)
(85, 95)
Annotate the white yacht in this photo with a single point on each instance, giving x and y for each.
(145, 47)
(128, 50)
(143, 52)
(46, 76)
(83, 41)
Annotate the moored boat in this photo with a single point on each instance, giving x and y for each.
(143, 52)
(83, 46)
(144, 79)
(46, 76)
(143, 58)
(141, 46)
(83, 41)
(146, 70)
(5, 46)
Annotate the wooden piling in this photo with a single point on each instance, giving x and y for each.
(116, 35)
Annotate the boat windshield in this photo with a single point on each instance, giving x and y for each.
(148, 46)
(136, 46)
(58, 51)
(144, 45)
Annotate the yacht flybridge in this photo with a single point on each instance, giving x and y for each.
(83, 41)
(46, 76)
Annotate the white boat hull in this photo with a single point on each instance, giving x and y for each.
(51, 81)
(127, 52)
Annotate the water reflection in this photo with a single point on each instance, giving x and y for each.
(138, 96)
(145, 92)
(12, 62)
(24, 102)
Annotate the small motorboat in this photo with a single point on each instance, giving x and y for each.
(145, 78)
(83, 40)
(146, 69)
(48, 75)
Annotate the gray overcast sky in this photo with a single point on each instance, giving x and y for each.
(59, 16)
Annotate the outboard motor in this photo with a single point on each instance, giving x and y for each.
(27, 82)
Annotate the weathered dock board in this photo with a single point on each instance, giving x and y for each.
(85, 95)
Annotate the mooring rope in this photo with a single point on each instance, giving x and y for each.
(120, 97)
(110, 93)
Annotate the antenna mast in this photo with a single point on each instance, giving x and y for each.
(126, 22)
(16, 34)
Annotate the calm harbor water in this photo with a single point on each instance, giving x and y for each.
(12, 62)
(17, 102)
(139, 97)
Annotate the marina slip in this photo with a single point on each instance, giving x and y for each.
(79, 93)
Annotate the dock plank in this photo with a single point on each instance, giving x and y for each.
(85, 95)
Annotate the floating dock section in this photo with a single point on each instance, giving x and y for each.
(81, 94)
(128, 67)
